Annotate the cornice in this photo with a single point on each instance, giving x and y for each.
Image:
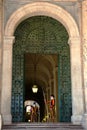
(45, 0)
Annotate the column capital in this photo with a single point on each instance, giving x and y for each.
(9, 39)
(74, 40)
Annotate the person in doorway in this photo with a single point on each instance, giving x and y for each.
(32, 114)
(52, 108)
(35, 112)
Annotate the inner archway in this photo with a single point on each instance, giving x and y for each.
(39, 70)
(42, 35)
(34, 76)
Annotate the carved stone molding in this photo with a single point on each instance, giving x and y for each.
(84, 41)
(9, 39)
(44, 0)
(8, 42)
(74, 41)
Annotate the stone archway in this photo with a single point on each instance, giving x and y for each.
(56, 12)
(42, 8)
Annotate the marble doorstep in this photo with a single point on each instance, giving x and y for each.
(42, 126)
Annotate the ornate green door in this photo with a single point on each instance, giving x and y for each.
(42, 35)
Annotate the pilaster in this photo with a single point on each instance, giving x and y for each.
(76, 78)
(6, 79)
(84, 43)
(1, 37)
(1, 25)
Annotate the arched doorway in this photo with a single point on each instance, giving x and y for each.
(41, 35)
(58, 13)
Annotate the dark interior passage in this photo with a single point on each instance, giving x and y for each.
(40, 76)
(38, 97)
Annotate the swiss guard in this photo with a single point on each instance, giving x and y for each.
(52, 108)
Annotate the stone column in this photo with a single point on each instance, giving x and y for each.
(6, 80)
(84, 42)
(47, 103)
(76, 80)
(47, 93)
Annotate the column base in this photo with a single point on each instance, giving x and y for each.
(76, 119)
(7, 119)
(0, 122)
(84, 121)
